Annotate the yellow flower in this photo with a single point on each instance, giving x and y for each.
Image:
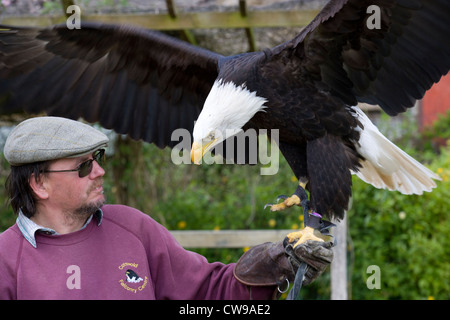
(294, 226)
(439, 170)
(181, 224)
(272, 223)
(245, 249)
(430, 298)
(294, 179)
(216, 228)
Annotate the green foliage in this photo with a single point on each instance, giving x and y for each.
(55, 6)
(440, 128)
(51, 7)
(7, 217)
(406, 236)
(437, 134)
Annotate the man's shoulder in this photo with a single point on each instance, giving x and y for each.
(118, 211)
(128, 218)
(12, 232)
(9, 239)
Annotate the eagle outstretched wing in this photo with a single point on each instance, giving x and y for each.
(135, 81)
(391, 64)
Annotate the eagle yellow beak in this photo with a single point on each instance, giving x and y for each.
(198, 150)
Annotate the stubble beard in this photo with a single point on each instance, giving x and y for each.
(88, 209)
(81, 214)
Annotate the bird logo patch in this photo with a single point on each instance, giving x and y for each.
(131, 279)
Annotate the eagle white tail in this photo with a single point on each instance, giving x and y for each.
(387, 166)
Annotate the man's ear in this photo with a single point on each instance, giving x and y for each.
(38, 186)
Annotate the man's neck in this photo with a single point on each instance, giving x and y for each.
(61, 222)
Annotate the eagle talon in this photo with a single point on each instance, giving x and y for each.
(287, 203)
(304, 235)
(281, 197)
(299, 198)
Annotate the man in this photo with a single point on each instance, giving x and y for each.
(66, 244)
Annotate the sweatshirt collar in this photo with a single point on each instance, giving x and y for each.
(28, 228)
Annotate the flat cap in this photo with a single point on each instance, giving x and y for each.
(50, 138)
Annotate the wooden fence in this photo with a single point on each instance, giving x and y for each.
(227, 238)
(183, 21)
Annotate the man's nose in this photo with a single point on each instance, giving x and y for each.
(97, 170)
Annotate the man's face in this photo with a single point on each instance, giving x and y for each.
(72, 194)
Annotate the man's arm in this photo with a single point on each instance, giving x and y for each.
(181, 274)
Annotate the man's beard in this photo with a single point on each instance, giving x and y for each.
(87, 210)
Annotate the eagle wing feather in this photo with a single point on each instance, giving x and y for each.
(390, 65)
(135, 81)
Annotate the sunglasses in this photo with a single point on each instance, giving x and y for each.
(85, 168)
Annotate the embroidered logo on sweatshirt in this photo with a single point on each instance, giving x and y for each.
(133, 277)
(132, 281)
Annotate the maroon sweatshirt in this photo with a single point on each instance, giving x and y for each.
(127, 256)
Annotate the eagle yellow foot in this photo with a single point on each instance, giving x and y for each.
(287, 203)
(304, 235)
(299, 198)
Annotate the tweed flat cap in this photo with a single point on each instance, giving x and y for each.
(51, 138)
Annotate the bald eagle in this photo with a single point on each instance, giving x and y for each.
(146, 84)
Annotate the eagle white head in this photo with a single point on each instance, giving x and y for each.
(227, 109)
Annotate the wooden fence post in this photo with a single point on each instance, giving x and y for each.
(339, 290)
(65, 4)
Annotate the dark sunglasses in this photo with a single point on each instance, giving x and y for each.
(85, 168)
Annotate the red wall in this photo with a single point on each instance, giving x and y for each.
(436, 101)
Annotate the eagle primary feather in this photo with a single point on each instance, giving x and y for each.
(147, 84)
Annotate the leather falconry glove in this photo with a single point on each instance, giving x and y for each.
(273, 264)
(276, 264)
